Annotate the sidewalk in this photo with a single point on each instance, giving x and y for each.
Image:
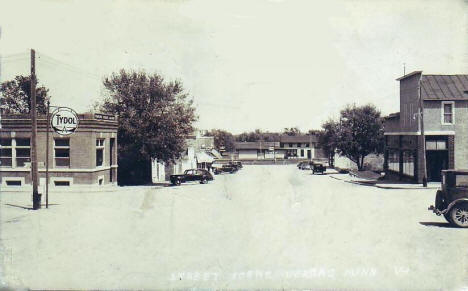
(368, 180)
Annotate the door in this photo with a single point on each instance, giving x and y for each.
(309, 154)
(111, 159)
(436, 161)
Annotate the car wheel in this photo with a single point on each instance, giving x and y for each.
(459, 215)
(177, 182)
(203, 181)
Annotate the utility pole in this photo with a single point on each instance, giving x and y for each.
(423, 137)
(32, 109)
(47, 154)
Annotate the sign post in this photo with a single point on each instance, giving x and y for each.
(63, 121)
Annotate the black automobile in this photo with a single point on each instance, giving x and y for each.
(238, 164)
(226, 168)
(451, 200)
(201, 175)
(318, 168)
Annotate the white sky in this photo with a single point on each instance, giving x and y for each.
(248, 64)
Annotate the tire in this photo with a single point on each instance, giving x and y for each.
(203, 181)
(177, 183)
(459, 214)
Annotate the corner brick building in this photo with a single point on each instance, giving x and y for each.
(445, 109)
(86, 157)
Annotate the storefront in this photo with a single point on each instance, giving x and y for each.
(86, 157)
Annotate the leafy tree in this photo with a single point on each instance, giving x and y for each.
(222, 139)
(16, 96)
(291, 131)
(360, 133)
(155, 116)
(327, 139)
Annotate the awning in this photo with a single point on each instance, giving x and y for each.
(203, 157)
(216, 154)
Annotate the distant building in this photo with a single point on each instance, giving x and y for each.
(86, 157)
(287, 147)
(199, 153)
(445, 108)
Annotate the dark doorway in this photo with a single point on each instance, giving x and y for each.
(309, 154)
(436, 161)
(111, 159)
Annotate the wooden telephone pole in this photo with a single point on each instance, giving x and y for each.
(32, 109)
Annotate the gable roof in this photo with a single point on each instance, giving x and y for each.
(444, 87)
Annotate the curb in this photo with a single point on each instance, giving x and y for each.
(370, 183)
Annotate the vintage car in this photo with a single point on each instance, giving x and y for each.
(238, 164)
(226, 168)
(201, 175)
(451, 200)
(318, 168)
(305, 165)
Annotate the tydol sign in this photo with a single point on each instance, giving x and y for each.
(64, 121)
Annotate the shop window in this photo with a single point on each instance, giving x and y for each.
(99, 152)
(23, 151)
(6, 152)
(447, 112)
(62, 152)
(408, 163)
(394, 161)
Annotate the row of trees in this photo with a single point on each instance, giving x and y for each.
(357, 133)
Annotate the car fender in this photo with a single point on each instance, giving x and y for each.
(453, 203)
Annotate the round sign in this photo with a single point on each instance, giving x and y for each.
(64, 121)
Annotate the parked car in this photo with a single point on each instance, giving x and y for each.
(318, 168)
(238, 164)
(305, 165)
(201, 175)
(227, 168)
(451, 200)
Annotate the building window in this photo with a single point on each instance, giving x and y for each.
(281, 145)
(307, 145)
(298, 145)
(394, 161)
(290, 145)
(434, 145)
(62, 152)
(448, 114)
(6, 152)
(23, 151)
(302, 153)
(408, 163)
(99, 152)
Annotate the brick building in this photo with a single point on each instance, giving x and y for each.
(86, 157)
(445, 110)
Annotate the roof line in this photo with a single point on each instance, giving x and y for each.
(409, 75)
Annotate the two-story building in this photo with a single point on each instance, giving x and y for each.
(298, 147)
(444, 103)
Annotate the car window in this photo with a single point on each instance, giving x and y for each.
(461, 181)
(189, 172)
(200, 172)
